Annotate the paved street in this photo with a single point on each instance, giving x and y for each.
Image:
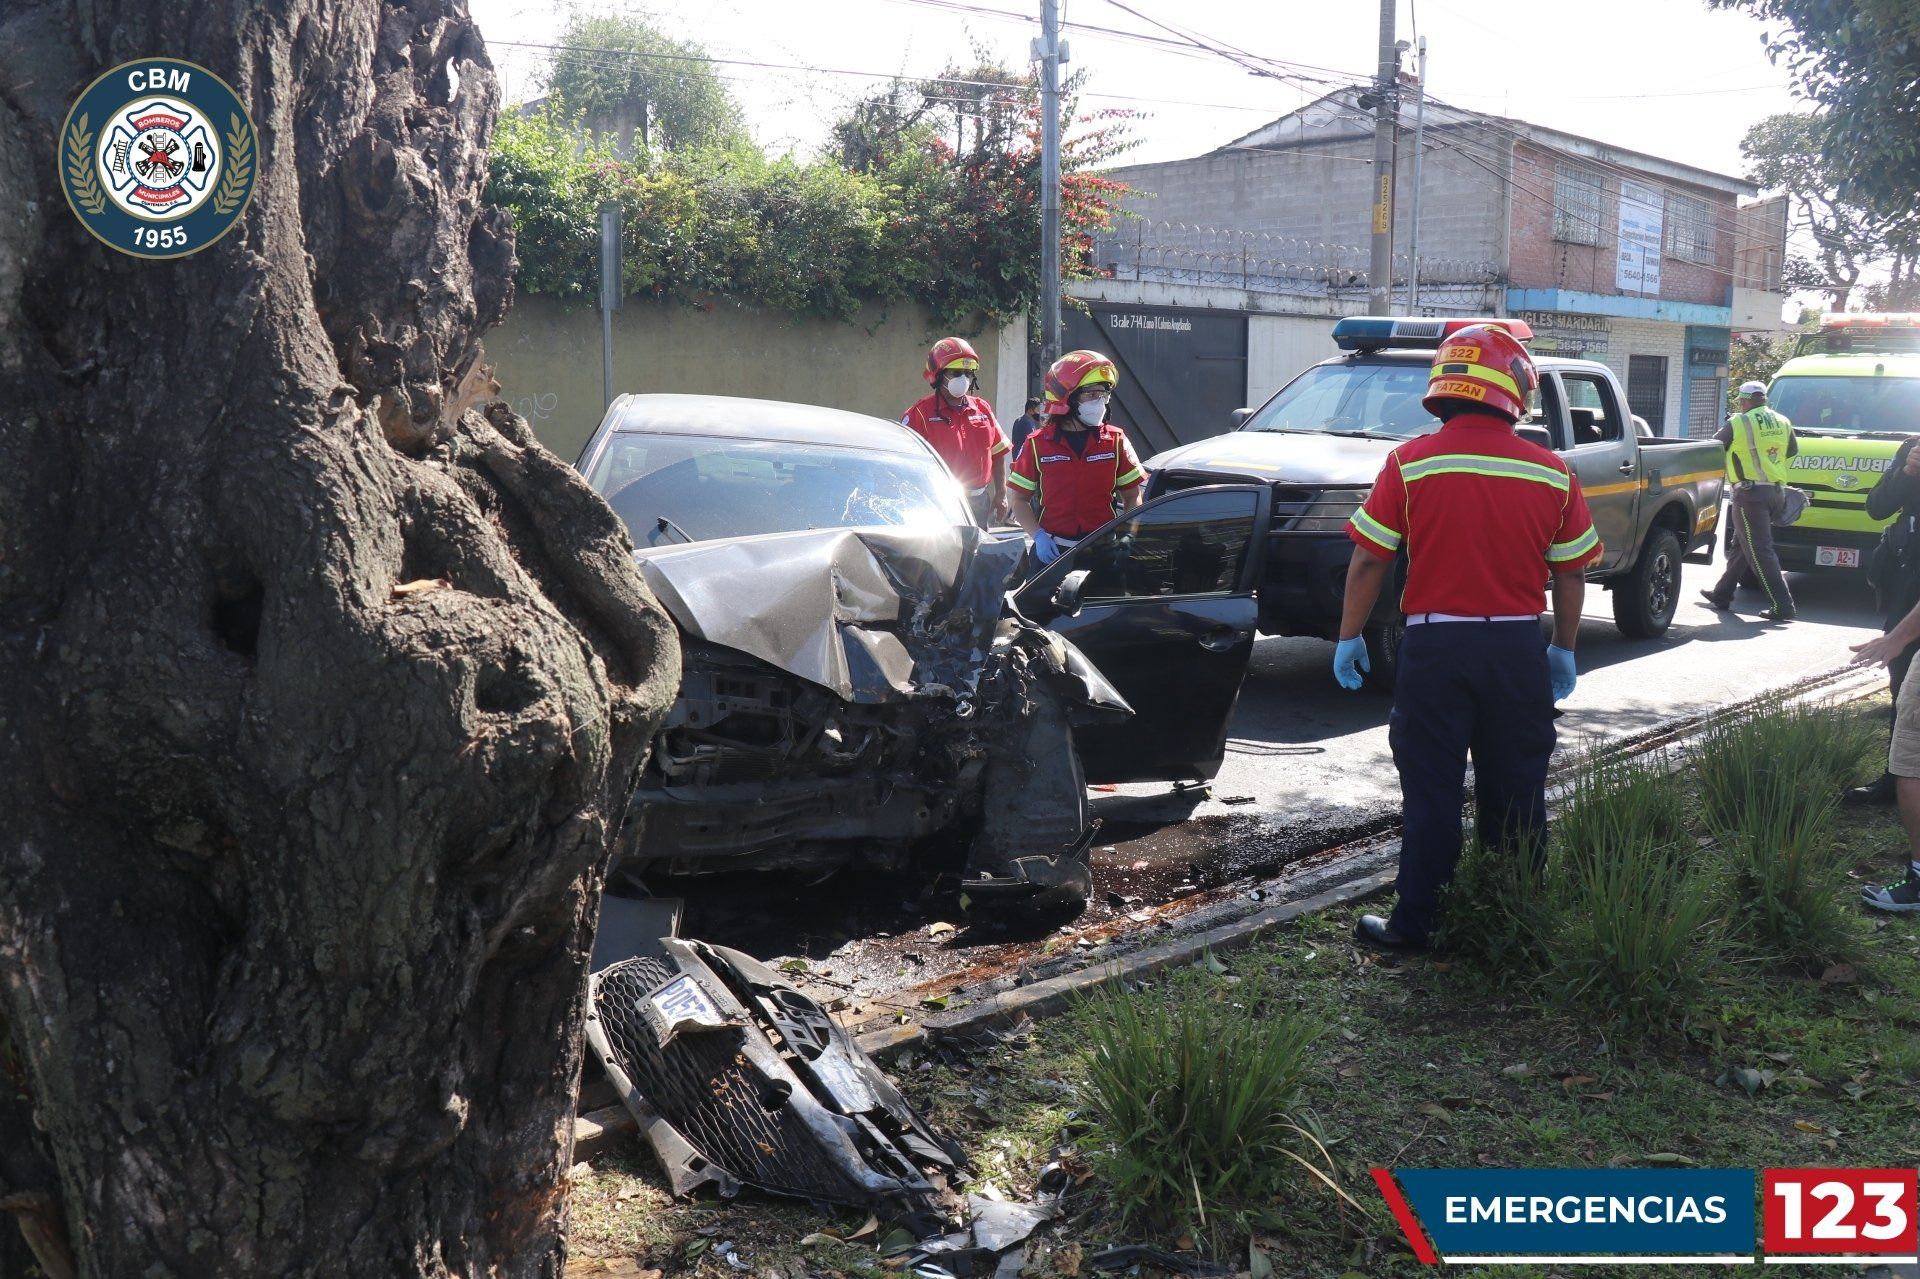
(1309, 761)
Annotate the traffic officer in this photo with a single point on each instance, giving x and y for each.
(1758, 442)
(1071, 472)
(1484, 517)
(961, 428)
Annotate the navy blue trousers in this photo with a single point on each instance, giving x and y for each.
(1467, 688)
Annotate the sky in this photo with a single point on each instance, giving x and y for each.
(1667, 77)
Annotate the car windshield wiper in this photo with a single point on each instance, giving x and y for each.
(666, 525)
(1369, 435)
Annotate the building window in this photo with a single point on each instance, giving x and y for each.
(1576, 204)
(1690, 229)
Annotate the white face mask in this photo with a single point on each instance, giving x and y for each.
(1091, 411)
(957, 385)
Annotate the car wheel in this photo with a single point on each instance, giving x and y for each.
(1645, 599)
(1383, 653)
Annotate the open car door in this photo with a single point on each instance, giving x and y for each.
(1166, 611)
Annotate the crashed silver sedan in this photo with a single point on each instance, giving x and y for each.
(869, 678)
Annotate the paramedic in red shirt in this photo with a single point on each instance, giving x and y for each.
(1484, 517)
(961, 428)
(1071, 471)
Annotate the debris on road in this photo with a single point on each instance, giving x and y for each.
(738, 1079)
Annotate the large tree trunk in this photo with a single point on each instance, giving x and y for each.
(298, 874)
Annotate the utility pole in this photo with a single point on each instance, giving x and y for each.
(1050, 53)
(1413, 227)
(1386, 114)
(610, 292)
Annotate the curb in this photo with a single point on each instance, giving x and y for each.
(1050, 995)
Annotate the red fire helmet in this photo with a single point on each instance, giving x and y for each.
(1072, 371)
(1484, 366)
(950, 353)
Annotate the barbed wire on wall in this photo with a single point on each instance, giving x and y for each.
(1258, 261)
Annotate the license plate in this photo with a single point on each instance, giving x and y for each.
(1836, 556)
(681, 1001)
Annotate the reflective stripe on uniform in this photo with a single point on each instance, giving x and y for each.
(1560, 552)
(1374, 531)
(1480, 464)
(1130, 477)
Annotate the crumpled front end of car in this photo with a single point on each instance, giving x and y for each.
(885, 706)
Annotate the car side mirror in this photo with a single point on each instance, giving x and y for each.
(1066, 596)
(1239, 416)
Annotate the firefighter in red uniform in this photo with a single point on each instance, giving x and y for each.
(961, 428)
(1071, 470)
(1484, 517)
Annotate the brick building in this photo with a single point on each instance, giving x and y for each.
(1610, 254)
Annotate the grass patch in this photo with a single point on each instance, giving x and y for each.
(1193, 1102)
(1638, 935)
(1770, 787)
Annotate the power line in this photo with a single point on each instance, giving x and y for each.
(606, 59)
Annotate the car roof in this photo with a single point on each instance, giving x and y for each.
(742, 418)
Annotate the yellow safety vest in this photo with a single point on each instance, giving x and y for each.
(1758, 450)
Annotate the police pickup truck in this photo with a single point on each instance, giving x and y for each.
(1321, 439)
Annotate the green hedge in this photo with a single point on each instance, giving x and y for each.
(815, 239)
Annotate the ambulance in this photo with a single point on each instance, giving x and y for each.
(1852, 392)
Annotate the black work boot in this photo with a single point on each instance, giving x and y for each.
(1877, 791)
(1372, 930)
(1714, 602)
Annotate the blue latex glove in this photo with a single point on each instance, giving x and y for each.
(1560, 667)
(1044, 546)
(1349, 661)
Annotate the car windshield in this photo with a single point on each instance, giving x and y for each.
(1351, 399)
(690, 488)
(1849, 404)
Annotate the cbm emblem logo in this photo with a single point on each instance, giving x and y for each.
(158, 158)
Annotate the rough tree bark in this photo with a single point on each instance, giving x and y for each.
(297, 873)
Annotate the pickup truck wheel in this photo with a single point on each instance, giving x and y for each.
(1645, 599)
(1383, 653)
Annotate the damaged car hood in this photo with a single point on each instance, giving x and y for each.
(873, 614)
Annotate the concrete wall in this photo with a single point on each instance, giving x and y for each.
(548, 360)
(1323, 193)
(1279, 347)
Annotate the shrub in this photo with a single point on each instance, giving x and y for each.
(1637, 935)
(959, 234)
(1805, 754)
(1620, 800)
(1769, 788)
(1498, 911)
(1191, 1101)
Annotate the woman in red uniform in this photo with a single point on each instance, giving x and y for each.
(1070, 471)
(961, 428)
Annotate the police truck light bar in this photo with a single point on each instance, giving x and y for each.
(1372, 332)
